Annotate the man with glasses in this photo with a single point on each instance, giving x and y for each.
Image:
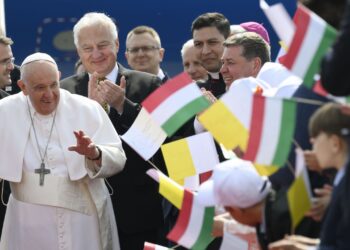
(144, 51)
(136, 201)
(6, 64)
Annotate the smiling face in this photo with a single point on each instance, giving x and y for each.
(40, 81)
(192, 64)
(235, 66)
(144, 53)
(209, 44)
(5, 65)
(97, 49)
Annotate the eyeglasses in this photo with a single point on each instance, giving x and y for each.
(144, 49)
(8, 61)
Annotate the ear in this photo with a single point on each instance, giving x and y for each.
(126, 55)
(336, 143)
(257, 64)
(117, 44)
(78, 49)
(161, 54)
(22, 86)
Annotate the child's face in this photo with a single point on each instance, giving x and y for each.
(323, 147)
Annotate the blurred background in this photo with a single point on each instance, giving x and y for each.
(46, 25)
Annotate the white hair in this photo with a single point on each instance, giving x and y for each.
(186, 46)
(94, 19)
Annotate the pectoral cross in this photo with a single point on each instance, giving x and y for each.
(42, 171)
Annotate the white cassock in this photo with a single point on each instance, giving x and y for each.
(72, 210)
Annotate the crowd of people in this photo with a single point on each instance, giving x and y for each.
(70, 182)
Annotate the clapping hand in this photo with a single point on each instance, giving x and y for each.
(94, 88)
(113, 94)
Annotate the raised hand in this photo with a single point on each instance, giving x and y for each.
(320, 203)
(210, 97)
(84, 146)
(311, 161)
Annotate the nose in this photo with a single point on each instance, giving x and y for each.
(223, 68)
(206, 49)
(140, 51)
(48, 93)
(312, 140)
(10, 66)
(96, 53)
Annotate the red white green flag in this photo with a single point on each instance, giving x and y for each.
(194, 224)
(271, 130)
(312, 39)
(175, 102)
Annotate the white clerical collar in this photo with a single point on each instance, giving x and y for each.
(214, 75)
(161, 74)
(112, 76)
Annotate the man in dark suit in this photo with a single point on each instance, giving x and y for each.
(144, 51)
(136, 202)
(15, 76)
(6, 69)
(6, 62)
(3, 94)
(209, 32)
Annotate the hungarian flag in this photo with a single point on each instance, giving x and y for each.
(151, 246)
(190, 156)
(194, 224)
(175, 102)
(271, 130)
(311, 40)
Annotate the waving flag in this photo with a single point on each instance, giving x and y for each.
(312, 39)
(272, 128)
(171, 190)
(228, 119)
(190, 156)
(194, 224)
(175, 102)
(145, 136)
(280, 21)
(299, 194)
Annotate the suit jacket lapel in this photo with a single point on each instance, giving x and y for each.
(82, 84)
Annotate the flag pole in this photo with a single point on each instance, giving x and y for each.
(152, 164)
(307, 101)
